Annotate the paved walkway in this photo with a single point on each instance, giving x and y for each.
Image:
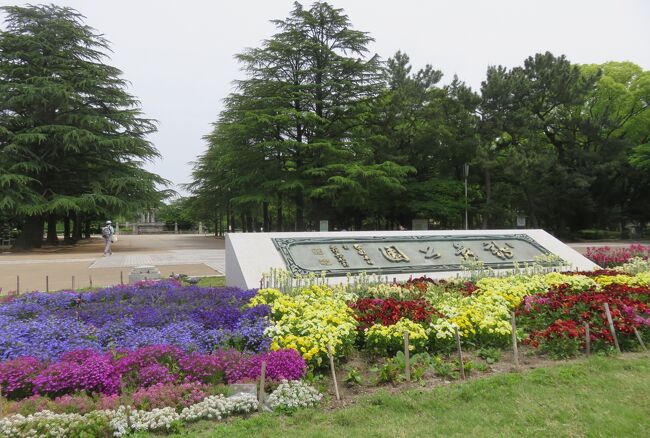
(214, 258)
(55, 268)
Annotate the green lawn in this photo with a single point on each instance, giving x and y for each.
(599, 397)
(210, 282)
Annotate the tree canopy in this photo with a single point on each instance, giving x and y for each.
(72, 139)
(321, 129)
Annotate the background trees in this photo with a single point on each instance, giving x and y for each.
(72, 140)
(319, 129)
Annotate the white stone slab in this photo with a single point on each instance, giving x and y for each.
(249, 255)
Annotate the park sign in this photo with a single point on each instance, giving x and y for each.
(398, 254)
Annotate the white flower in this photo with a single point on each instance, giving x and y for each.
(294, 394)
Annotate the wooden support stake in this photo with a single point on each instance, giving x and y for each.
(73, 283)
(611, 327)
(262, 394)
(407, 357)
(121, 277)
(587, 339)
(47, 283)
(17, 284)
(515, 348)
(638, 336)
(90, 281)
(336, 385)
(460, 354)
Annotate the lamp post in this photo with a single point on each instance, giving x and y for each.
(466, 174)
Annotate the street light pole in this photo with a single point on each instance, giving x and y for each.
(466, 174)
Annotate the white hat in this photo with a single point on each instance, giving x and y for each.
(109, 222)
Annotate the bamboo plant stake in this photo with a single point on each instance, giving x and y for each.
(515, 348)
(336, 385)
(640, 339)
(587, 339)
(460, 354)
(262, 394)
(407, 357)
(611, 327)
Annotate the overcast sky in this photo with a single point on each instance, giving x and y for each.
(178, 55)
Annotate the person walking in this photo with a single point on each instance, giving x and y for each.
(107, 233)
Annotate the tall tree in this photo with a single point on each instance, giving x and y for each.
(72, 139)
(306, 92)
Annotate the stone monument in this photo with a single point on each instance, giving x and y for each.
(148, 223)
(398, 254)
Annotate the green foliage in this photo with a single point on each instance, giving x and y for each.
(442, 368)
(72, 140)
(353, 378)
(389, 371)
(390, 146)
(490, 354)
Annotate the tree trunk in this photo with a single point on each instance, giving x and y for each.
(244, 224)
(76, 231)
(488, 199)
(31, 234)
(52, 238)
(358, 222)
(87, 229)
(267, 219)
(250, 226)
(300, 211)
(279, 224)
(66, 229)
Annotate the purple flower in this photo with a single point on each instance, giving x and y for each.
(84, 370)
(206, 368)
(16, 376)
(153, 374)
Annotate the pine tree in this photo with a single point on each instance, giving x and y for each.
(72, 139)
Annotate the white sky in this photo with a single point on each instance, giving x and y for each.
(178, 55)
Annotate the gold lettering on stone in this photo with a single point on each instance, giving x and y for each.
(362, 252)
(465, 253)
(504, 252)
(338, 256)
(429, 253)
(393, 254)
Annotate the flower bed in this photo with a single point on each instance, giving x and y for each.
(126, 371)
(161, 354)
(608, 257)
(309, 321)
(46, 326)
